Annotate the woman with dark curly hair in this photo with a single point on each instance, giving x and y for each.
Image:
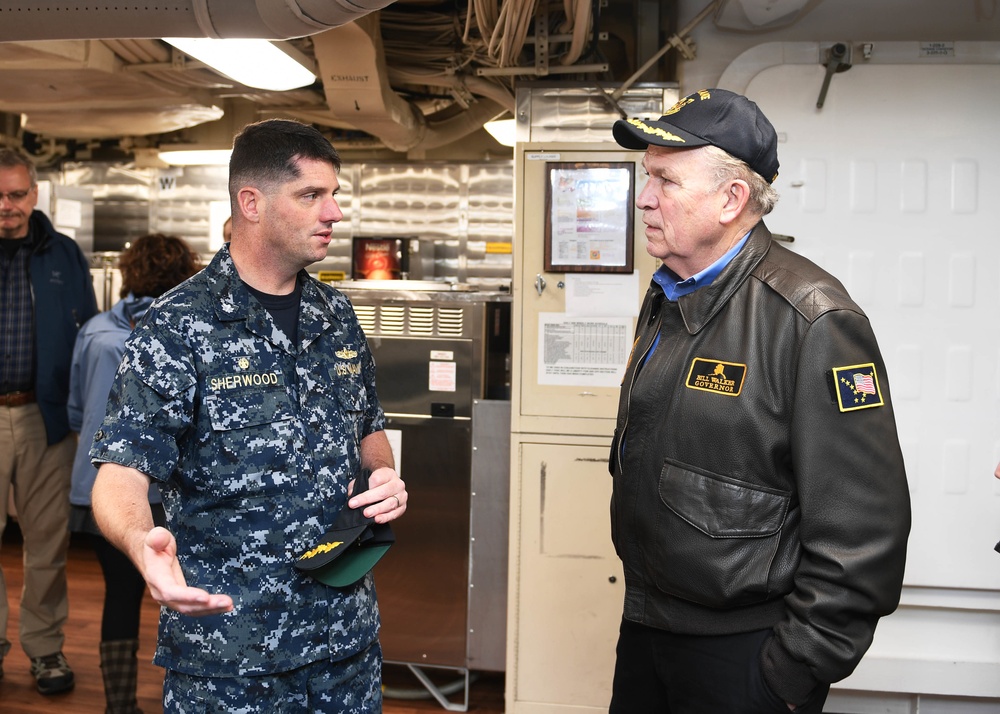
(151, 266)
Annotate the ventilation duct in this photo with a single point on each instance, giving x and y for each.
(352, 68)
(354, 74)
(345, 36)
(263, 19)
(760, 15)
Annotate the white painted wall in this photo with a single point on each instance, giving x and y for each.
(832, 21)
(892, 186)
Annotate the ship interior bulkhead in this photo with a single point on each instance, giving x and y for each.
(886, 120)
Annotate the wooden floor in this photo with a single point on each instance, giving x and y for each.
(83, 630)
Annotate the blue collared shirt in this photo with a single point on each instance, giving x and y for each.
(674, 288)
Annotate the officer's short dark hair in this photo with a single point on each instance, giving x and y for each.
(265, 153)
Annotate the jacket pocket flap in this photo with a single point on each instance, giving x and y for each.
(248, 408)
(720, 507)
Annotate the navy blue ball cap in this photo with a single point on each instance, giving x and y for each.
(715, 117)
(346, 552)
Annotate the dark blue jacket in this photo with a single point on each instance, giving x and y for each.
(63, 294)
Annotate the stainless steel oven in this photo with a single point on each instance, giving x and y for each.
(442, 355)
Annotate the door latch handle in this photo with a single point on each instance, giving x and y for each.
(838, 60)
(539, 283)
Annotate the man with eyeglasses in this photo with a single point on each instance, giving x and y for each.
(46, 293)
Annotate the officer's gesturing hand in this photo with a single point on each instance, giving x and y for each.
(121, 509)
(166, 581)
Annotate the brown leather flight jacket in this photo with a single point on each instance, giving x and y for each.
(758, 479)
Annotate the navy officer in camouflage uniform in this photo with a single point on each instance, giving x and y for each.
(247, 394)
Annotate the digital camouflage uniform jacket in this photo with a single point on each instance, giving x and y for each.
(253, 444)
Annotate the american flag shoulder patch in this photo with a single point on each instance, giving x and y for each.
(857, 387)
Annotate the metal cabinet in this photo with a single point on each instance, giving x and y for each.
(566, 587)
(569, 579)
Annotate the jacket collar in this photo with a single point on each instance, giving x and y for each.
(232, 302)
(39, 230)
(698, 308)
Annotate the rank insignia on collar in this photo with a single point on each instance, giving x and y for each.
(857, 387)
(346, 353)
(712, 375)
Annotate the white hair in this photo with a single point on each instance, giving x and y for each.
(727, 167)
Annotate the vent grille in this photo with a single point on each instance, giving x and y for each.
(367, 317)
(422, 321)
(392, 320)
(451, 321)
(411, 320)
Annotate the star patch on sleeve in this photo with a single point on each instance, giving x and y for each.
(857, 387)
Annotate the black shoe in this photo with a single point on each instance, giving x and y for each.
(52, 673)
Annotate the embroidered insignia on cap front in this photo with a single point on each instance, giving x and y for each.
(244, 363)
(702, 95)
(712, 375)
(678, 106)
(857, 387)
(655, 131)
(346, 353)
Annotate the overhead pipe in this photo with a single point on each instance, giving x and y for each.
(679, 40)
(461, 83)
(355, 78)
(262, 19)
(445, 131)
(345, 36)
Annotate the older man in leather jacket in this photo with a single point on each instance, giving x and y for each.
(760, 504)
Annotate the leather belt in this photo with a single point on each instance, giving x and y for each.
(17, 399)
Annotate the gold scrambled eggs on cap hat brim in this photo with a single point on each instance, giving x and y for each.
(350, 549)
(637, 134)
(342, 563)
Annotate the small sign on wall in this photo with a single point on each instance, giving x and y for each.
(442, 376)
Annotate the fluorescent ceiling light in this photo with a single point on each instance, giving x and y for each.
(503, 130)
(254, 63)
(196, 157)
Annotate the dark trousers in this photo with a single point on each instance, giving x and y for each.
(124, 587)
(660, 672)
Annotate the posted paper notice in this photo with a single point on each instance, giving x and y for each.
(582, 351)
